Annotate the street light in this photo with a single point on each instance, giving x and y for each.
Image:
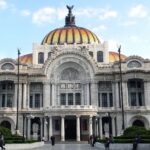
(121, 91)
(17, 131)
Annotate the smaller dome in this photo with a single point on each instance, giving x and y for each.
(114, 56)
(26, 59)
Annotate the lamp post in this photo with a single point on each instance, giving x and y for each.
(121, 91)
(17, 131)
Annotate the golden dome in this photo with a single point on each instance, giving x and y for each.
(70, 33)
(26, 59)
(114, 56)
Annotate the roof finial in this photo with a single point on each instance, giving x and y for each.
(70, 19)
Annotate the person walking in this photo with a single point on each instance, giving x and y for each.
(52, 140)
(107, 143)
(2, 142)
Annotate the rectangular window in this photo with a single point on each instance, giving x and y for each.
(3, 100)
(133, 99)
(104, 100)
(110, 100)
(70, 98)
(63, 99)
(31, 101)
(99, 99)
(9, 100)
(37, 100)
(140, 99)
(78, 98)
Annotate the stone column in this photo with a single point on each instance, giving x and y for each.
(90, 126)
(28, 95)
(125, 94)
(62, 128)
(113, 126)
(100, 127)
(41, 121)
(146, 93)
(29, 127)
(87, 94)
(50, 127)
(53, 94)
(46, 94)
(15, 97)
(45, 129)
(78, 128)
(117, 95)
(24, 95)
(94, 93)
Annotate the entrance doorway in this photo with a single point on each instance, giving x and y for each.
(70, 129)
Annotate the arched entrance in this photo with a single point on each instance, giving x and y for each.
(138, 123)
(6, 124)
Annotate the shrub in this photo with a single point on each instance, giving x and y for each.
(5, 131)
(134, 130)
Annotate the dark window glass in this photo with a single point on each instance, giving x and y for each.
(63, 99)
(9, 100)
(70, 98)
(99, 100)
(140, 98)
(133, 99)
(41, 58)
(31, 101)
(110, 99)
(3, 100)
(100, 56)
(37, 100)
(104, 100)
(78, 98)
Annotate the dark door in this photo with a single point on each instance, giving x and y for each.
(70, 129)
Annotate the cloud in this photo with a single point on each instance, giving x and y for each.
(44, 15)
(100, 28)
(138, 11)
(25, 13)
(3, 4)
(134, 38)
(106, 14)
(129, 23)
(102, 13)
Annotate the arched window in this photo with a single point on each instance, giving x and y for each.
(6, 124)
(136, 92)
(100, 56)
(41, 58)
(138, 123)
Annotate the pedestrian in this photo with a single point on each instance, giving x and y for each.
(107, 143)
(52, 140)
(2, 142)
(135, 143)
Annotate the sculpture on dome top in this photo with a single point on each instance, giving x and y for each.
(70, 9)
(70, 19)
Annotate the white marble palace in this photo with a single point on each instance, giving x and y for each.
(70, 87)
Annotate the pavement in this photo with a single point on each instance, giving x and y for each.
(66, 146)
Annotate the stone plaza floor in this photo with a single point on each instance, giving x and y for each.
(66, 147)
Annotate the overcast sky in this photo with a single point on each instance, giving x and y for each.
(121, 22)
